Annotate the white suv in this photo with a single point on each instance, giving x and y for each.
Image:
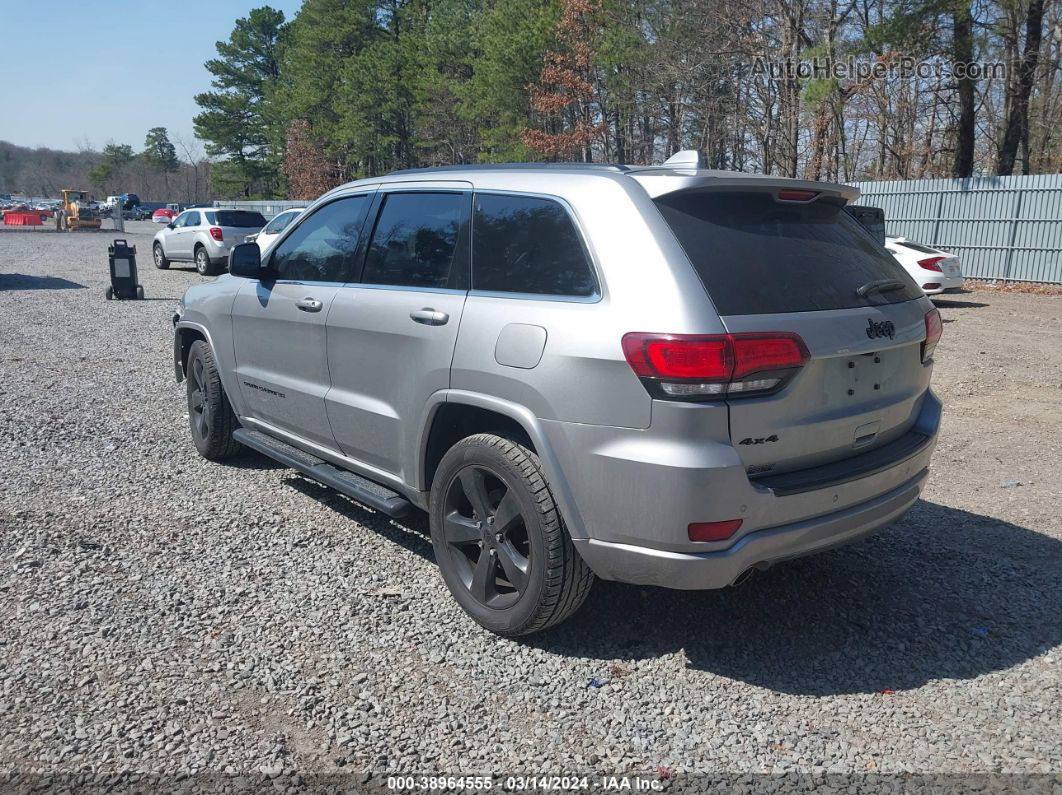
(204, 235)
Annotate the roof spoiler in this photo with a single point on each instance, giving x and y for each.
(660, 180)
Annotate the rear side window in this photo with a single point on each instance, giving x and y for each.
(415, 239)
(525, 244)
(238, 218)
(758, 256)
(323, 246)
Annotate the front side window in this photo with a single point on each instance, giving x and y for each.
(323, 246)
(526, 244)
(179, 221)
(415, 238)
(191, 219)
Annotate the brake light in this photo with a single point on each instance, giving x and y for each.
(216, 233)
(791, 195)
(713, 531)
(930, 264)
(934, 328)
(688, 366)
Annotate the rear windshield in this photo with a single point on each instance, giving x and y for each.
(237, 218)
(916, 247)
(758, 256)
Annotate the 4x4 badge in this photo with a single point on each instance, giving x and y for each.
(883, 329)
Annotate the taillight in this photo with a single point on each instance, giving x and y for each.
(934, 328)
(215, 232)
(692, 367)
(930, 264)
(713, 531)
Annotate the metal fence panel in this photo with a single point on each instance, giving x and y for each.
(1006, 228)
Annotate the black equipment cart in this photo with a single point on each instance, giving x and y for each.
(124, 284)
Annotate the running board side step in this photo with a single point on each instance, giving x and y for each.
(345, 482)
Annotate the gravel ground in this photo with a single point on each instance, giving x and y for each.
(165, 614)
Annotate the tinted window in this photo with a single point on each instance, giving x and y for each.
(415, 238)
(322, 247)
(238, 218)
(279, 224)
(191, 219)
(522, 244)
(755, 255)
(870, 218)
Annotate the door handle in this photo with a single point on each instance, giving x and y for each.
(310, 304)
(429, 317)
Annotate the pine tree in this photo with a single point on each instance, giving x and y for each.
(237, 121)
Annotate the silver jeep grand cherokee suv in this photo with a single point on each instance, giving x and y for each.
(659, 375)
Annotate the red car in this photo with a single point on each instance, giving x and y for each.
(163, 215)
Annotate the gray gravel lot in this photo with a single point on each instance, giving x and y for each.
(162, 613)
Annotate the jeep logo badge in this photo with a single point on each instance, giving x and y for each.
(883, 329)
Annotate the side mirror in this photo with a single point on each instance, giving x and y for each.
(170, 225)
(245, 260)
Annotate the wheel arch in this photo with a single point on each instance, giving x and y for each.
(452, 415)
(184, 334)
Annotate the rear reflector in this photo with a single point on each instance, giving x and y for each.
(797, 195)
(713, 531)
(931, 264)
(934, 328)
(931, 286)
(688, 366)
(216, 233)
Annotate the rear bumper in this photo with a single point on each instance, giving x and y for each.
(946, 283)
(218, 252)
(759, 549)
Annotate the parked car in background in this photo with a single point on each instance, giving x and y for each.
(204, 235)
(934, 270)
(661, 376)
(137, 213)
(163, 215)
(272, 230)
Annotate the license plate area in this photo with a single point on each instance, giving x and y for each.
(868, 375)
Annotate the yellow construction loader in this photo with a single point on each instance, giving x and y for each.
(77, 212)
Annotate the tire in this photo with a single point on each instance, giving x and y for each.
(210, 416)
(160, 257)
(109, 292)
(139, 293)
(203, 265)
(520, 579)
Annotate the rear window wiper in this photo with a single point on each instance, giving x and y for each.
(880, 286)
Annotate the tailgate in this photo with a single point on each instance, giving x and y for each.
(790, 260)
(856, 393)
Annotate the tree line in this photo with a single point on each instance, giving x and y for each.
(164, 169)
(353, 88)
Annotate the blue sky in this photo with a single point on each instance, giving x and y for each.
(161, 46)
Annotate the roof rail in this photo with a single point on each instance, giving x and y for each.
(511, 166)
